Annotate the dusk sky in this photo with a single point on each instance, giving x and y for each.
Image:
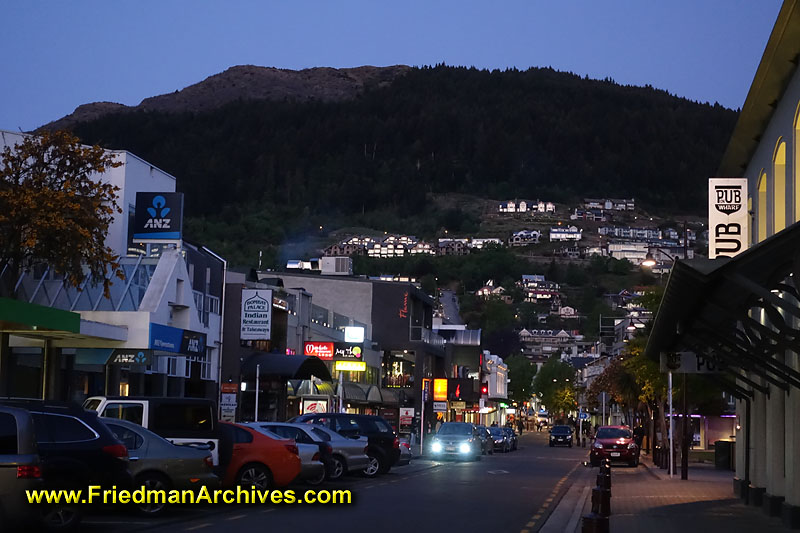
(58, 55)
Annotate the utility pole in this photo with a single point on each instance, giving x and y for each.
(685, 426)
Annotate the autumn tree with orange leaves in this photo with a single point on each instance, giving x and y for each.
(52, 211)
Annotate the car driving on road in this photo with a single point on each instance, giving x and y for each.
(459, 440)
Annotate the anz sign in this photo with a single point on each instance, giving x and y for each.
(158, 217)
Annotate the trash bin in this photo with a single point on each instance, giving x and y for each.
(723, 452)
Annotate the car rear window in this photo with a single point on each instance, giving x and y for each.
(8, 434)
(321, 434)
(52, 428)
(128, 437)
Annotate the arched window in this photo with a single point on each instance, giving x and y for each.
(779, 187)
(795, 168)
(762, 206)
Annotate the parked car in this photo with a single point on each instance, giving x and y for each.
(314, 452)
(486, 440)
(19, 469)
(457, 439)
(349, 454)
(615, 443)
(158, 464)
(383, 445)
(561, 436)
(251, 458)
(500, 439)
(405, 453)
(512, 437)
(179, 420)
(76, 450)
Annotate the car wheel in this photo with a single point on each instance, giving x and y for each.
(569, 445)
(374, 466)
(552, 445)
(153, 481)
(314, 481)
(254, 475)
(635, 462)
(338, 468)
(478, 457)
(594, 462)
(60, 518)
(491, 450)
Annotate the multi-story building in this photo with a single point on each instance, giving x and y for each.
(570, 233)
(524, 237)
(158, 332)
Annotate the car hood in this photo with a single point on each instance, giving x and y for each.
(618, 442)
(453, 438)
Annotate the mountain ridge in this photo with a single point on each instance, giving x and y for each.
(247, 82)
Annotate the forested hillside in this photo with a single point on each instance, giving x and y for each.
(287, 166)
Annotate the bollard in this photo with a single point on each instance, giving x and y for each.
(594, 523)
(604, 481)
(601, 501)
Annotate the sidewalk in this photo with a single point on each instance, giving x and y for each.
(645, 500)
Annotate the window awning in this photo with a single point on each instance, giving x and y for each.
(285, 366)
(719, 308)
(353, 393)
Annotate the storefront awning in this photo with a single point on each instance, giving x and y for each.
(718, 308)
(286, 366)
(352, 393)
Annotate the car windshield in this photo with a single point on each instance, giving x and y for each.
(562, 430)
(455, 429)
(496, 431)
(613, 433)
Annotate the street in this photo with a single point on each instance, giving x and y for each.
(502, 492)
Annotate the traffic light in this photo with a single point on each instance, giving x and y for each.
(484, 389)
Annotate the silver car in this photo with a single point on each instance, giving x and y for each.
(349, 454)
(157, 464)
(310, 447)
(457, 439)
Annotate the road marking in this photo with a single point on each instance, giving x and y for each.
(198, 526)
(267, 510)
(497, 471)
(237, 517)
(549, 500)
(530, 524)
(545, 505)
(537, 516)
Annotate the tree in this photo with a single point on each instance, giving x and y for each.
(521, 373)
(52, 212)
(552, 377)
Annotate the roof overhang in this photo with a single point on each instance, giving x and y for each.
(778, 64)
(284, 366)
(719, 308)
(35, 323)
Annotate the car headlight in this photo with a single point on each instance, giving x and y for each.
(465, 447)
(597, 445)
(436, 447)
(632, 446)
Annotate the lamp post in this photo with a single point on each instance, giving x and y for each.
(649, 262)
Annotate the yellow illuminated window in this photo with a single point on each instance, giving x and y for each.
(779, 188)
(762, 206)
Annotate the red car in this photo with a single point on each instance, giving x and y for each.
(250, 458)
(615, 443)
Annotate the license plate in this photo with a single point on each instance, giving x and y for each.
(614, 454)
(452, 449)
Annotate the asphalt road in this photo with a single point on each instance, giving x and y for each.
(513, 492)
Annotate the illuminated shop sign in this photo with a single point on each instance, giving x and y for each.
(323, 350)
(350, 366)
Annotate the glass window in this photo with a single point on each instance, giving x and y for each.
(128, 437)
(60, 428)
(241, 436)
(345, 426)
(8, 434)
(132, 412)
(613, 433)
(455, 429)
(322, 435)
(181, 417)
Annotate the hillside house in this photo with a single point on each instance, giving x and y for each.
(570, 233)
(524, 238)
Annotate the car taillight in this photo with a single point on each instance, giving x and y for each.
(406, 445)
(292, 448)
(316, 457)
(397, 443)
(209, 461)
(29, 472)
(365, 449)
(116, 450)
(328, 449)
